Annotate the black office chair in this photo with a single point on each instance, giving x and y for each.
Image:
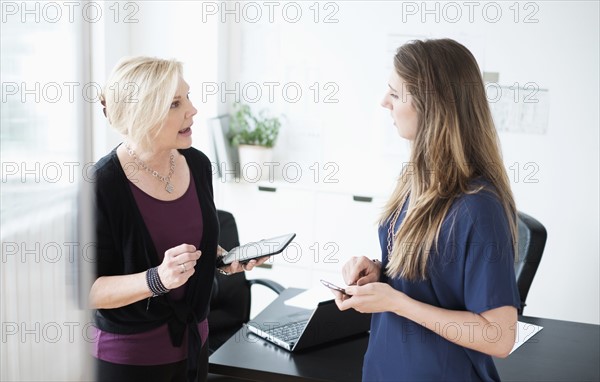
(532, 239)
(231, 296)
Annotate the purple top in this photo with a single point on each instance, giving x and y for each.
(170, 223)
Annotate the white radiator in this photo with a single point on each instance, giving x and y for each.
(45, 334)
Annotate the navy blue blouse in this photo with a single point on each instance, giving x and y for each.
(472, 270)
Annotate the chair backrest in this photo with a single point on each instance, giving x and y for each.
(231, 295)
(230, 300)
(532, 239)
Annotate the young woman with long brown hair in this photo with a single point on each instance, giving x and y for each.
(444, 295)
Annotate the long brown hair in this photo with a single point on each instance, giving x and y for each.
(456, 142)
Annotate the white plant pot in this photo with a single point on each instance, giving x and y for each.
(253, 163)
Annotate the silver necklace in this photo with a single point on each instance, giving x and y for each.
(167, 179)
(391, 234)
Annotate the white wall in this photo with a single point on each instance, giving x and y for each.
(174, 30)
(109, 42)
(169, 30)
(558, 53)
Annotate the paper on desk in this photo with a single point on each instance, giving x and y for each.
(310, 298)
(524, 332)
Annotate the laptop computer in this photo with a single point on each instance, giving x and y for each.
(295, 329)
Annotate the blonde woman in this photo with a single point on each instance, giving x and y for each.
(157, 231)
(444, 295)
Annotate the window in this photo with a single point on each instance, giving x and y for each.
(43, 105)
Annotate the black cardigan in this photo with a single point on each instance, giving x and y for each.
(124, 246)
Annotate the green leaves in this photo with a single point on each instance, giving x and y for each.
(248, 129)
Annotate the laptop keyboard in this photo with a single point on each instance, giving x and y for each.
(288, 332)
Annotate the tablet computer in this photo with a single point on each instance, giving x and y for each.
(265, 247)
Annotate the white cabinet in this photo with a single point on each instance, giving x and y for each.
(345, 226)
(270, 210)
(331, 227)
(262, 211)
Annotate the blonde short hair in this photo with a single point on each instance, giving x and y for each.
(138, 96)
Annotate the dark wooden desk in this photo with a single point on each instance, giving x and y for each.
(562, 351)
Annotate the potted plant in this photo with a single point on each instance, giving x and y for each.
(255, 136)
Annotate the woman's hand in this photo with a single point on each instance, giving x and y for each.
(109, 292)
(236, 266)
(178, 265)
(374, 297)
(361, 271)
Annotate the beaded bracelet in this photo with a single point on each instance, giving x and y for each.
(154, 283)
